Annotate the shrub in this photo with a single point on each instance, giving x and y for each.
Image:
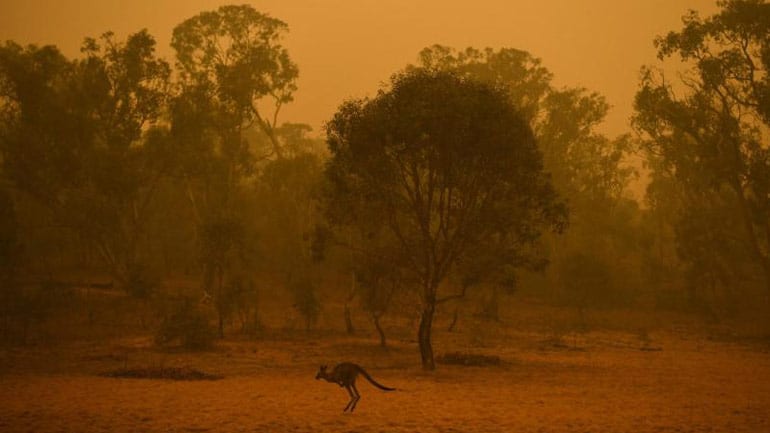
(188, 327)
(140, 281)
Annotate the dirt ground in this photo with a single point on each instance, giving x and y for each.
(601, 383)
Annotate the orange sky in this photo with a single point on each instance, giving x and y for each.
(346, 48)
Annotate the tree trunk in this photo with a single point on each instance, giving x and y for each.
(376, 318)
(220, 306)
(221, 326)
(24, 330)
(423, 337)
(348, 321)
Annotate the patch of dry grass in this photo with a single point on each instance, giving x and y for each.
(615, 373)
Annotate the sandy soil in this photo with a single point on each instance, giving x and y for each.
(269, 386)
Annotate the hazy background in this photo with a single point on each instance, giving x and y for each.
(342, 47)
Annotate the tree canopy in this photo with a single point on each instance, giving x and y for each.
(234, 55)
(81, 138)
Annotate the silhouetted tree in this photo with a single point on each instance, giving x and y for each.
(447, 163)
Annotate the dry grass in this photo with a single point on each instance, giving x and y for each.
(692, 385)
(648, 375)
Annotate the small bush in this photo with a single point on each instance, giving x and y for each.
(188, 327)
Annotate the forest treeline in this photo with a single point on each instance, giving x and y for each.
(470, 172)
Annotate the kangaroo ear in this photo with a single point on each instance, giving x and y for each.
(323, 367)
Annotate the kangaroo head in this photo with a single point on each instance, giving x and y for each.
(321, 373)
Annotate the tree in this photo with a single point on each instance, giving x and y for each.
(588, 168)
(287, 191)
(230, 61)
(448, 164)
(234, 56)
(711, 142)
(286, 218)
(81, 138)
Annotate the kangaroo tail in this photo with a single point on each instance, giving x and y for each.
(369, 378)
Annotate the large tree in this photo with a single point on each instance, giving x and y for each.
(234, 77)
(588, 168)
(707, 137)
(447, 163)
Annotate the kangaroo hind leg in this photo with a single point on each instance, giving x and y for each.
(352, 399)
(357, 396)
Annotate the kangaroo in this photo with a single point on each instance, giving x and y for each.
(345, 375)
